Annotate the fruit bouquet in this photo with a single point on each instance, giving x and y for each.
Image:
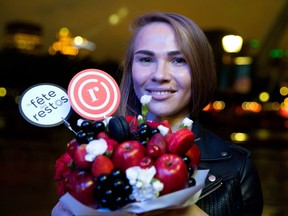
(129, 165)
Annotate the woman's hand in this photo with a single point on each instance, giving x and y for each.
(60, 210)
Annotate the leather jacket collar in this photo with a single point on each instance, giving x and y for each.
(211, 146)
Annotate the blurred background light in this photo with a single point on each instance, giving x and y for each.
(264, 96)
(284, 91)
(232, 43)
(3, 92)
(239, 137)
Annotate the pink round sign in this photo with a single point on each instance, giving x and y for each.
(94, 94)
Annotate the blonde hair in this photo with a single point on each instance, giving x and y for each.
(196, 50)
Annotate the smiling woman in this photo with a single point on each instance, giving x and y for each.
(170, 59)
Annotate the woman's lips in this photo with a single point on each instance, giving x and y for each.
(160, 94)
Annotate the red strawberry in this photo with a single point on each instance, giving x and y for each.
(102, 165)
(111, 145)
(194, 154)
(79, 157)
(153, 124)
(102, 135)
(181, 141)
(167, 124)
(158, 140)
(131, 120)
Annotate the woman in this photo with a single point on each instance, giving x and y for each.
(170, 59)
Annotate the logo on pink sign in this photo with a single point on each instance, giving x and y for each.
(94, 94)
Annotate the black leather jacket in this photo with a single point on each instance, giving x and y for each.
(232, 185)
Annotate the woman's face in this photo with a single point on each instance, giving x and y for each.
(160, 70)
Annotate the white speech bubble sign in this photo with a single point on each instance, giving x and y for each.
(45, 105)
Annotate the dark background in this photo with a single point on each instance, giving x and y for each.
(28, 153)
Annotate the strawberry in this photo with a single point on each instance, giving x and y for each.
(102, 135)
(111, 145)
(153, 124)
(181, 141)
(194, 154)
(101, 165)
(167, 124)
(158, 140)
(132, 120)
(79, 157)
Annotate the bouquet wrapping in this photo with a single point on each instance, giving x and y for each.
(178, 199)
(129, 165)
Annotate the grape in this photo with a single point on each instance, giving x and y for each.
(154, 131)
(144, 143)
(192, 182)
(117, 173)
(81, 137)
(90, 136)
(127, 189)
(99, 126)
(103, 179)
(190, 170)
(86, 126)
(112, 191)
(103, 202)
(187, 161)
(134, 135)
(144, 132)
(118, 185)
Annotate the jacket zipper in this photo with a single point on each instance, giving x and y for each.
(211, 188)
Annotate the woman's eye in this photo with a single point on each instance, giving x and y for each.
(145, 59)
(179, 61)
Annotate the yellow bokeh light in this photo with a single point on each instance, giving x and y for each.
(64, 32)
(218, 105)
(239, 137)
(275, 106)
(114, 19)
(207, 107)
(3, 92)
(78, 40)
(263, 134)
(232, 43)
(17, 99)
(284, 91)
(264, 96)
(251, 106)
(122, 12)
(243, 60)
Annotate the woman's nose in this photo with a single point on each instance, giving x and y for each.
(161, 72)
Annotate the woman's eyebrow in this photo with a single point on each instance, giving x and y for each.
(145, 52)
(173, 53)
